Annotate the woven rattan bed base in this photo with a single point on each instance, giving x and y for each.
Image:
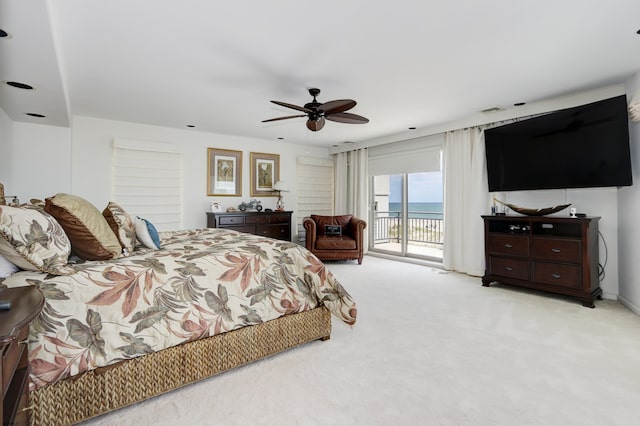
(97, 392)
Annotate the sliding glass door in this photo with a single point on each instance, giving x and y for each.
(407, 214)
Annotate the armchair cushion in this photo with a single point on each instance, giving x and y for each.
(335, 243)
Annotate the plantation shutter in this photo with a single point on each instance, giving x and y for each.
(147, 181)
(314, 187)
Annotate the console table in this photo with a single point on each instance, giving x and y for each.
(267, 224)
(26, 304)
(554, 254)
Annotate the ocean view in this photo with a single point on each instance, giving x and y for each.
(418, 210)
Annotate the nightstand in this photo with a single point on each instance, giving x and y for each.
(26, 304)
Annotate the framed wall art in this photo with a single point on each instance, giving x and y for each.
(224, 172)
(265, 172)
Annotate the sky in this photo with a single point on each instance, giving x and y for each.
(423, 188)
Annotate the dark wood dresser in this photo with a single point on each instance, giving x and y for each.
(554, 254)
(26, 304)
(267, 224)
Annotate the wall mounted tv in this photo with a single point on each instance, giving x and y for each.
(580, 147)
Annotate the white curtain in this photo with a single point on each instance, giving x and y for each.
(352, 185)
(466, 197)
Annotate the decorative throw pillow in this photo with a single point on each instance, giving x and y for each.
(121, 224)
(90, 234)
(322, 221)
(6, 268)
(147, 233)
(33, 240)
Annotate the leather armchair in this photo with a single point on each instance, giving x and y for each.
(346, 246)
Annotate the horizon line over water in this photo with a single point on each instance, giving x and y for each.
(421, 209)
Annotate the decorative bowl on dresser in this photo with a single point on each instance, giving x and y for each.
(554, 254)
(267, 224)
(26, 304)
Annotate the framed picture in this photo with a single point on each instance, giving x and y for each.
(224, 172)
(265, 172)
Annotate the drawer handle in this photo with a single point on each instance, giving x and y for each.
(507, 245)
(508, 268)
(555, 250)
(556, 276)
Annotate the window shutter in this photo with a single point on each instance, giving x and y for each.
(147, 181)
(314, 187)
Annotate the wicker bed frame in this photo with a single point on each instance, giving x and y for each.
(99, 391)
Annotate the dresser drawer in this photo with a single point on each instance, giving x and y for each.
(274, 231)
(513, 245)
(279, 218)
(231, 220)
(257, 219)
(512, 268)
(11, 355)
(557, 250)
(568, 276)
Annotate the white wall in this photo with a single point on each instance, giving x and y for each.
(91, 154)
(628, 224)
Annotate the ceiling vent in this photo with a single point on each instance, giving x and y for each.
(492, 109)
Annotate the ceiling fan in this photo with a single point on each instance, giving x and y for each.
(318, 112)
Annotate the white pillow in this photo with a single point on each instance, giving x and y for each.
(147, 233)
(6, 268)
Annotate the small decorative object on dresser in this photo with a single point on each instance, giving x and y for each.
(268, 224)
(26, 304)
(281, 187)
(554, 254)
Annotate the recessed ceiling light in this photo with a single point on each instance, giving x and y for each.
(33, 114)
(519, 103)
(3, 33)
(412, 128)
(280, 139)
(638, 32)
(19, 85)
(190, 126)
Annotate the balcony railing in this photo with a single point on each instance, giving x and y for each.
(422, 228)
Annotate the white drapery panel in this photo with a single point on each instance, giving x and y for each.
(147, 181)
(466, 198)
(352, 186)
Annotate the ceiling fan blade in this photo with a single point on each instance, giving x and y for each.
(296, 107)
(339, 105)
(284, 118)
(346, 117)
(315, 125)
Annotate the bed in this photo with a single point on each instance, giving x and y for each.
(117, 331)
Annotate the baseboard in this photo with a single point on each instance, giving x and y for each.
(633, 307)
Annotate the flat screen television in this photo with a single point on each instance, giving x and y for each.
(581, 147)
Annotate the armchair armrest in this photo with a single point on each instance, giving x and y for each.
(356, 228)
(310, 231)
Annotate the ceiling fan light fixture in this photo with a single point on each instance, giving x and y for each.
(317, 112)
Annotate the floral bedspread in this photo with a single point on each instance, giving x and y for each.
(202, 282)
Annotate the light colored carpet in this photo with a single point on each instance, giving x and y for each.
(430, 348)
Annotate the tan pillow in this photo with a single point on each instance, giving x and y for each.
(121, 224)
(90, 234)
(33, 240)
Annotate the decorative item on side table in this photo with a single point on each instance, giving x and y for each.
(281, 187)
(254, 205)
(533, 212)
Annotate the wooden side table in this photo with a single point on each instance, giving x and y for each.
(26, 304)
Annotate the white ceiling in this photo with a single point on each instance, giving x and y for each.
(217, 64)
